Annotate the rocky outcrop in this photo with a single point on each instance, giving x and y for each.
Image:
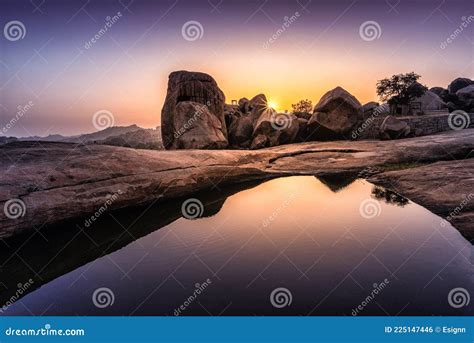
(240, 132)
(440, 91)
(338, 111)
(466, 94)
(195, 87)
(430, 101)
(258, 104)
(244, 105)
(368, 108)
(278, 128)
(195, 127)
(393, 128)
(458, 84)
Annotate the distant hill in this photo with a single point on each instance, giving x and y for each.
(131, 136)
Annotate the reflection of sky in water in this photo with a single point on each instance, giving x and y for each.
(289, 232)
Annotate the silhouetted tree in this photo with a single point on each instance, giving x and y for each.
(400, 89)
(303, 106)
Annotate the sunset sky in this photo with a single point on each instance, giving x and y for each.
(126, 70)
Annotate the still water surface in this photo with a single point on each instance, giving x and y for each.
(328, 243)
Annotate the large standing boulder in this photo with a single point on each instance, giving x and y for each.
(240, 132)
(201, 88)
(195, 127)
(466, 93)
(244, 105)
(337, 112)
(278, 128)
(440, 91)
(368, 108)
(430, 101)
(258, 105)
(393, 128)
(459, 83)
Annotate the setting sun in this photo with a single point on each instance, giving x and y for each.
(272, 104)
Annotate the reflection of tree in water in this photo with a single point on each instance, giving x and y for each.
(389, 196)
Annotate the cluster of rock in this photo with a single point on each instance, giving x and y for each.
(459, 95)
(195, 116)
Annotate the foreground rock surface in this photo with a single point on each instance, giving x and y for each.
(59, 181)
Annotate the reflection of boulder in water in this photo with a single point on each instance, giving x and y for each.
(336, 182)
(390, 197)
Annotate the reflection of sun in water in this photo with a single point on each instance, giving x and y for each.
(272, 104)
